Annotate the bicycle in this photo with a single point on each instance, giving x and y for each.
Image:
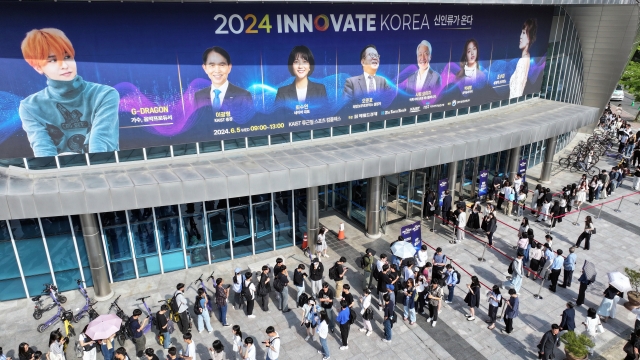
(150, 314)
(206, 290)
(39, 309)
(88, 306)
(59, 314)
(125, 331)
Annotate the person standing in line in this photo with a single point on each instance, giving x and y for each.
(236, 286)
(462, 223)
(518, 272)
(387, 317)
(120, 354)
(283, 295)
(162, 324)
(569, 266)
(522, 201)
(604, 177)
(323, 332)
(222, 295)
(204, 316)
(342, 270)
(422, 257)
(439, 263)
(556, 267)
(535, 254)
(568, 321)
(87, 343)
(107, 347)
(277, 268)
(434, 297)
(534, 198)
(511, 312)
(473, 298)
(544, 212)
(607, 308)
(216, 351)
(316, 273)
(451, 282)
(237, 341)
(264, 288)
(190, 349)
(183, 308)
(346, 295)
(383, 281)
(410, 293)
(586, 233)
(368, 263)
(321, 243)
(509, 198)
(298, 281)
(591, 324)
(548, 343)
(584, 283)
(345, 325)
(56, 346)
(495, 299)
(446, 207)
(25, 352)
(492, 226)
(636, 174)
(325, 296)
(366, 312)
(272, 344)
(422, 282)
(150, 354)
(310, 318)
(593, 185)
(248, 350)
(137, 329)
(250, 294)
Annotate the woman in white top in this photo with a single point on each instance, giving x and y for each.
(310, 317)
(534, 198)
(518, 80)
(321, 243)
(217, 351)
(469, 66)
(422, 257)
(544, 212)
(248, 350)
(591, 323)
(323, 331)
(581, 195)
(237, 341)
(366, 312)
(87, 343)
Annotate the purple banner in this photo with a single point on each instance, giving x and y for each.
(443, 185)
(412, 233)
(482, 185)
(522, 169)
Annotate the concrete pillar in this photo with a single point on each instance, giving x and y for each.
(514, 162)
(374, 189)
(453, 174)
(550, 151)
(313, 222)
(96, 255)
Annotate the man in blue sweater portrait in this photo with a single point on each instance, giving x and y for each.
(70, 115)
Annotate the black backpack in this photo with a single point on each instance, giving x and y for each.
(376, 273)
(197, 309)
(360, 262)
(303, 299)
(457, 275)
(246, 292)
(277, 284)
(175, 308)
(510, 269)
(352, 316)
(333, 272)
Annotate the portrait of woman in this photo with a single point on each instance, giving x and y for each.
(302, 90)
(70, 115)
(469, 66)
(518, 80)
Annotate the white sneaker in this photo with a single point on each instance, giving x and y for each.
(251, 316)
(363, 330)
(429, 320)
(326, 255)
(447, 301)
(307, 338)
(325, 358)
(344, 347)
(369, 333)
(433, 324)
(199, 331)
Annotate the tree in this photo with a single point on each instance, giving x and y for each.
(631, 78)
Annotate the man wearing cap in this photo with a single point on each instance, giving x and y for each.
(368, 261)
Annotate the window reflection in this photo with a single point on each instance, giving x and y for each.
(62, 252)
(10, 280)
(117, 242)
(195, 242)
(168, 222)
(144, 241)
(31, 252)
(282, 217)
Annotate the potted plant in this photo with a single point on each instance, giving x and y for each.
(576, 347)
(633, 296)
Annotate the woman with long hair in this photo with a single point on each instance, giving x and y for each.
(24, 351)
(56, 345)
(593, 185)
(237, 341)
(321, 243)
(518, 80)
(473, 297)
(586, 233)
(581, 194)
(469, 66)
(88, 345)
(534, 198)
(494, 298)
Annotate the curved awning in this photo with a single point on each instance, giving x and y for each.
(110, 187)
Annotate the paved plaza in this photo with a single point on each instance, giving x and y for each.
(612, 249)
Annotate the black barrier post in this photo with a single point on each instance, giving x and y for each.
(618, 209)
(433, 224)
(481, 258)
(538, 296)
(575, 223)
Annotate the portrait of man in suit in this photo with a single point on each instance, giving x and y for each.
(425, 78)
(368, 84)
(221, 95)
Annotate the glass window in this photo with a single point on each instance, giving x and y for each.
(33, 258)
(258, 141)
(220, 245)
(359, 200)
(72, 160)
(62, 252)
(437, 115)
(10, 280)
(393, 123)
(241, 231)
(209, 146)
(184, 149)
(450, 113)
(341, 193)
(513, 100)
(168, 222)
(82, 250)
(279, 139)
(158, 152)
(321, 133)
(495, 104)
(42, 163)
(474, 109)
(18, 162)
(408, 120)
(144, 241)
(376, 125)
(341, 130)
(282, 216)
(195, 242)
(301, 135)
(463, 111)
(300, 203)
(130, 155)
(423, 118)
(102, 158)
(263, 231)
(233, 144)
(357, 128)
(114, 227)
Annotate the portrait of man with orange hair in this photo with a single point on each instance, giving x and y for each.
(70, 115)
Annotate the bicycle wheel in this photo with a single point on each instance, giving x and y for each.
(42, 327)
(62, 299)
(121, 339)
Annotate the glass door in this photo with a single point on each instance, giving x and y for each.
(241, 230)
(220, 246)
(359, 200)
(262, 227)
(168, 227)
(403, 193)
(467, 178)
(341, 193)
(416, 194)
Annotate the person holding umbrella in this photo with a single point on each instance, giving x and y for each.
(587, 278)
(607, 309)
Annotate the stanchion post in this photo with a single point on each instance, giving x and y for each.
(481, 258)
(618, 209)
(433, 224)
(601, 206)
(538, 296)
(575, 223)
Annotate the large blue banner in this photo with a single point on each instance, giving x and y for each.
(522, 169)
(483, 176)
(413, 234)
(443, 185)
(96, 77)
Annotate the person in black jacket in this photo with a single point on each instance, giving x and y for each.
(325, 297)
(383, 281)
(298, 281)
(492, 226)
(264, 288)
(446, 207)
(548, 343)
(25, 352)
(568, 321)
(316, 272)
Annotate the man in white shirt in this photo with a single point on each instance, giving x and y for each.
(462, 222)
(273, 344)
(425, 78)
(183, 309)
(422, 257)
(190, 349)
(368, 84)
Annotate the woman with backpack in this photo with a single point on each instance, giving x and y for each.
(495, 301)
(310, 317)
(236, 286)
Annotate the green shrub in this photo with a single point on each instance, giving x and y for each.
(634, 278)
(577, 345)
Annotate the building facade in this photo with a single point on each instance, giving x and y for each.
(125, 214)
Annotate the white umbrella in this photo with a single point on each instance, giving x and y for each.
(619, 281)
(104, 326)
(403, 249)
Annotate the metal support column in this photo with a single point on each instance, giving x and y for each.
(374, 187)
(313, 222)
(514, 162)
(96, 255)
(453, 174)
(550, 151)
